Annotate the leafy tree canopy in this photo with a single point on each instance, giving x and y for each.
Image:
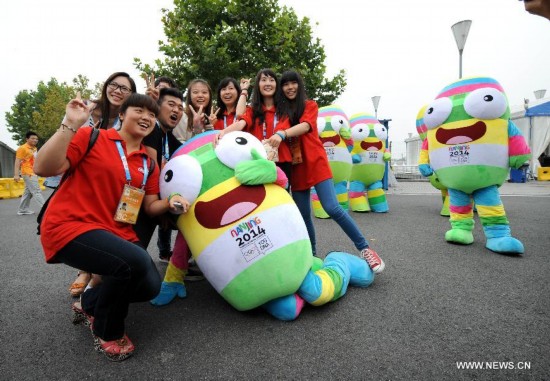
(42, 110)
(213, 39)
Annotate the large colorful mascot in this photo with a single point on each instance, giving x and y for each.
(369, 156)
(423, 133)
(245, 232)
(470, 146)
(335, 134)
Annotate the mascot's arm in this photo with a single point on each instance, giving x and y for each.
(258, 171)
(424, 160)
(345, 133)
(518, 150)
(387, 155)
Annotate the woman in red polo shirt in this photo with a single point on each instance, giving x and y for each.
(314, 170)
(88, 222)
(231, 101)
(260, 117)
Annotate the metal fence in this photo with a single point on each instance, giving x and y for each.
(408, 173)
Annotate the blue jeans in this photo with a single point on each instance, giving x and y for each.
(128, 275)
(327, 197)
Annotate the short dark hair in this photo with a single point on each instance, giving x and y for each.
(30, 133)
(167, 80)
(173, 92)
(140, 100)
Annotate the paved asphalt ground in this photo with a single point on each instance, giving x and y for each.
(435, 305)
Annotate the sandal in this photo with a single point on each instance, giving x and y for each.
(115, 350)
(80, 283)
(80, 316)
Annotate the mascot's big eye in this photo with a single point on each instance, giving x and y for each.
(360, 132)
(437, 112)
(236, 146)
(320, 125)
(337, 122)
(380, 132)
(486, 103)
(183, 175)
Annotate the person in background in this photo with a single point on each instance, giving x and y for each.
(231, 101)
(538, 7)
(22, 168)
(198, 103)
(84, 225)
(314, 170)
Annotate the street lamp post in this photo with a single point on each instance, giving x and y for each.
(460, 31)
(375, 101)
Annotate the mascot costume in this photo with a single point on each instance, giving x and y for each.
(369, 156)
(245, 232)
(335, 134)
(422, 133)
(470, 146)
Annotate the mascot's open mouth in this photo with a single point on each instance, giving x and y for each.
(230, 207)
(461, 135)
(377, 146)
(331, 141)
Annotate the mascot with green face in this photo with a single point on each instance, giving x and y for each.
(246, 233)
(470, 145)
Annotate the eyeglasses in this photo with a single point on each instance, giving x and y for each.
(123, 89)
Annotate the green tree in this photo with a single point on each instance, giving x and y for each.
(212, 39)
(42, 110)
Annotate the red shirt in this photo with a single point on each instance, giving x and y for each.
(226, 121)
(88, 199)
(267, 129)
(315, 167)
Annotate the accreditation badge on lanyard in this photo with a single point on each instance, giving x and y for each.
(132, 197)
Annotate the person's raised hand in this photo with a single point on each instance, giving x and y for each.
(245, 83)
(212, 118)
(198, 119)
(150, 89)
(77, 112)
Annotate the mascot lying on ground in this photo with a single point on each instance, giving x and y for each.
(369, 156)
(335, 134)
(245, 232)
(470, 146)
(422, 133)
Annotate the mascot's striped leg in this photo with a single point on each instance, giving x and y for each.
(495, 224)
(445, 198)
(342, 196)
(172, 285)
(331, 281)
(377, 198)
(357, 199)
(318, 210)
(462, 218)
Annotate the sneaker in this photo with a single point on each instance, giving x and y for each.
(375, 262)
(24, 212)
(194, 274)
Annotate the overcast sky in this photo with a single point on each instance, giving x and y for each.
(401, 50)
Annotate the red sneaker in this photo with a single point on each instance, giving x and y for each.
(373, 259)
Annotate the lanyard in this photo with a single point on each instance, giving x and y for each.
(224, 122)
(165, 148)
(125, 165)
(274, 125)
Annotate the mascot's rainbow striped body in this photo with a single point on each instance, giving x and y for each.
(423, 133)
(246, 233)
(470, 146)
(369, 155)
(335, 134)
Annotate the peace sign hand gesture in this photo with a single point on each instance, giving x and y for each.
(198, 119)
(212, 118)
(245, 83)
(77, 112)
(151, 90)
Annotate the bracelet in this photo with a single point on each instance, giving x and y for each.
(172, 195)
(281, 135)
(245, 94)
(64, 126)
